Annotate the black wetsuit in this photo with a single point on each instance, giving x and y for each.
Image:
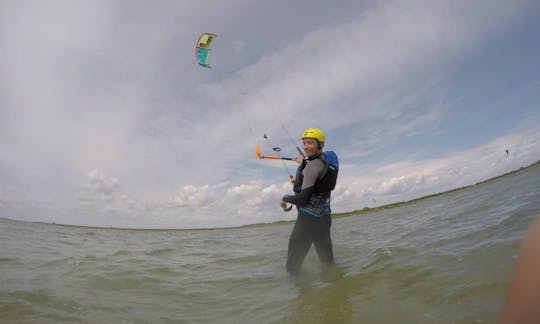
(315, 179)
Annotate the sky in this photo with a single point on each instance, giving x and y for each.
(106, 119)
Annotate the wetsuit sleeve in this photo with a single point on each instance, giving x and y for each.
(311, 174)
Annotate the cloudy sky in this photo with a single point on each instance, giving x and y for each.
(105, 119)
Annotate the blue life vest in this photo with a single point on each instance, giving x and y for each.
(328, 181)
(331, 158)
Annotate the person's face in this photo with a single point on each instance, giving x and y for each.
(311, 147)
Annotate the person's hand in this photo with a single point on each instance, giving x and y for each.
(283, 205)
(299, 159)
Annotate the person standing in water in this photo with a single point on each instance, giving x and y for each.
(315, 178)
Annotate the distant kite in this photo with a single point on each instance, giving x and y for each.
(203, 48)
(507, 152)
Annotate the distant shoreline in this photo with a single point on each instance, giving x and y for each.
(335, 215)
(412, 201)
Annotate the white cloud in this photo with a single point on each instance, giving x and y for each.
(102, 184)
(102, 201)
(413, 178)
(192, 196)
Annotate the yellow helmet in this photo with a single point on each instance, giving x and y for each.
(313, 133)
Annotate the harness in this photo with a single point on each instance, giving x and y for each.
(327, 181)
(319, 203)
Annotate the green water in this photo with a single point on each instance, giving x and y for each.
(442, 260)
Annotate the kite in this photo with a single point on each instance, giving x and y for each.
(203, 48)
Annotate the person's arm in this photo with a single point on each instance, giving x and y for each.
(311, 174)
(300, 199)
(522, 303)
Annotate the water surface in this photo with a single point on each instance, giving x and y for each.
(442, 260)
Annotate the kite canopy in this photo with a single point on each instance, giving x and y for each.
(203, 48)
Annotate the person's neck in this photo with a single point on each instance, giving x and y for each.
(314, 156)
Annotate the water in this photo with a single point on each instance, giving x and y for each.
(442, 260)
